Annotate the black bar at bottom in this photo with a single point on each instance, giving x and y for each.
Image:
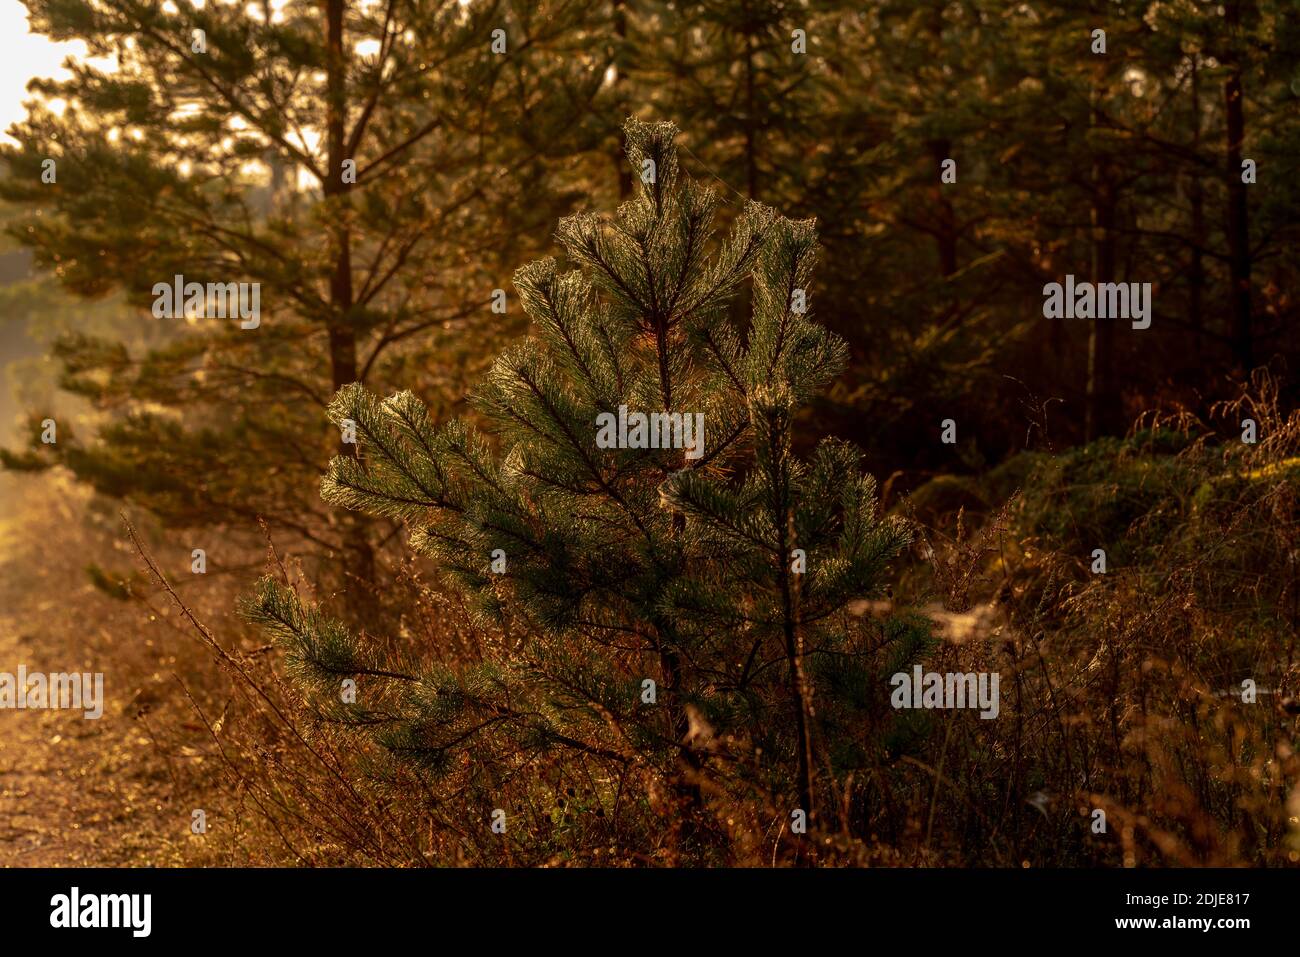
(564, 908)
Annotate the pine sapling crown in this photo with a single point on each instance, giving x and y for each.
(634, 519)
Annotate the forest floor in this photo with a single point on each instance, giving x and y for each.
(73, 791)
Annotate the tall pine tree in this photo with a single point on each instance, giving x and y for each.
(321, 150)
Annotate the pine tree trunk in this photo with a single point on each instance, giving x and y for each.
(1101, 400)
(946, 227)
(751, 121)
(620, 34)
(360, 559)
(800, 691)
(1100, 418)
(1196, 276)
(940, 149)
(798, 685)
(1238, 226)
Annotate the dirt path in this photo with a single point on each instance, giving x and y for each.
(72, 791)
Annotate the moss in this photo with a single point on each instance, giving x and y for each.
(946, 495)
(1112, 493)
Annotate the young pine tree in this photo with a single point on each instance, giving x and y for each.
(667, 615)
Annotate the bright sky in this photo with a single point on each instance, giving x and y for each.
(25, 55)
